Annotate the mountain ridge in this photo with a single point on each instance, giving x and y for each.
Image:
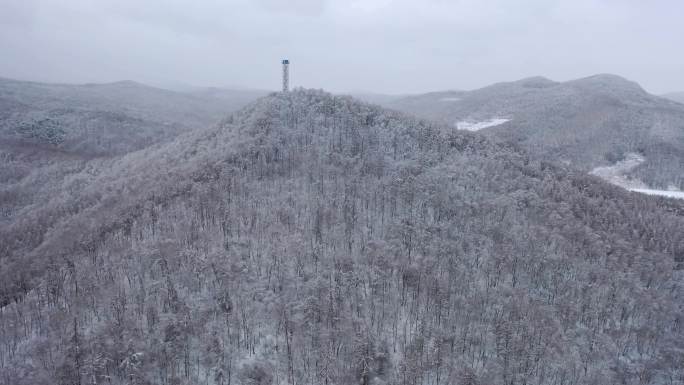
(589, 122)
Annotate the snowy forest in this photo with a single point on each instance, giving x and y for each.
(589, 122)
(312, 239)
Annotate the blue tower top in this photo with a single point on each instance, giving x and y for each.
(285, 61)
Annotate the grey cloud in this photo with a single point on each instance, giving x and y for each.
(304, 7)
(341, 45)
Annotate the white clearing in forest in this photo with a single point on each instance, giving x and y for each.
(476, 126)
(664, 193)
(450, 99)
(616, 174)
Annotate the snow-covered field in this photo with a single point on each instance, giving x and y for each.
(476, 126)
(665, 193)
(616, 174)
(449, 99)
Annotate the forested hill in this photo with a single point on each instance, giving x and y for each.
(106, 119)
(587, 123)
(310, 238)
(48, 132)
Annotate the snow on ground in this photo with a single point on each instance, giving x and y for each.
(664, 193)
(449, 99)
(616, 174)
(476, 126)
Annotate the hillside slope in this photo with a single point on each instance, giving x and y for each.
(591, 122)
(48, 132)
(315, 239)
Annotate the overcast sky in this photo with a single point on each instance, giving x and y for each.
(388, 46)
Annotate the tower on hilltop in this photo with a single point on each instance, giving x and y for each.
(286, 75)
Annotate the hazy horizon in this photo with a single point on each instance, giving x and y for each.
(370, 46)
(181, 87)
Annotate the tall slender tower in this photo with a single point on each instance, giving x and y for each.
(286, 75)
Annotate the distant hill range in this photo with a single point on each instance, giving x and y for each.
(588, 123)
(107, 119)
(676, 96)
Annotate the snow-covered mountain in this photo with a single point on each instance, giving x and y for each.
(588, 123)
(49, 130)
(311, 238)
(107, 119)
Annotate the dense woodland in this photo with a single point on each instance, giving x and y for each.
(313, 239)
